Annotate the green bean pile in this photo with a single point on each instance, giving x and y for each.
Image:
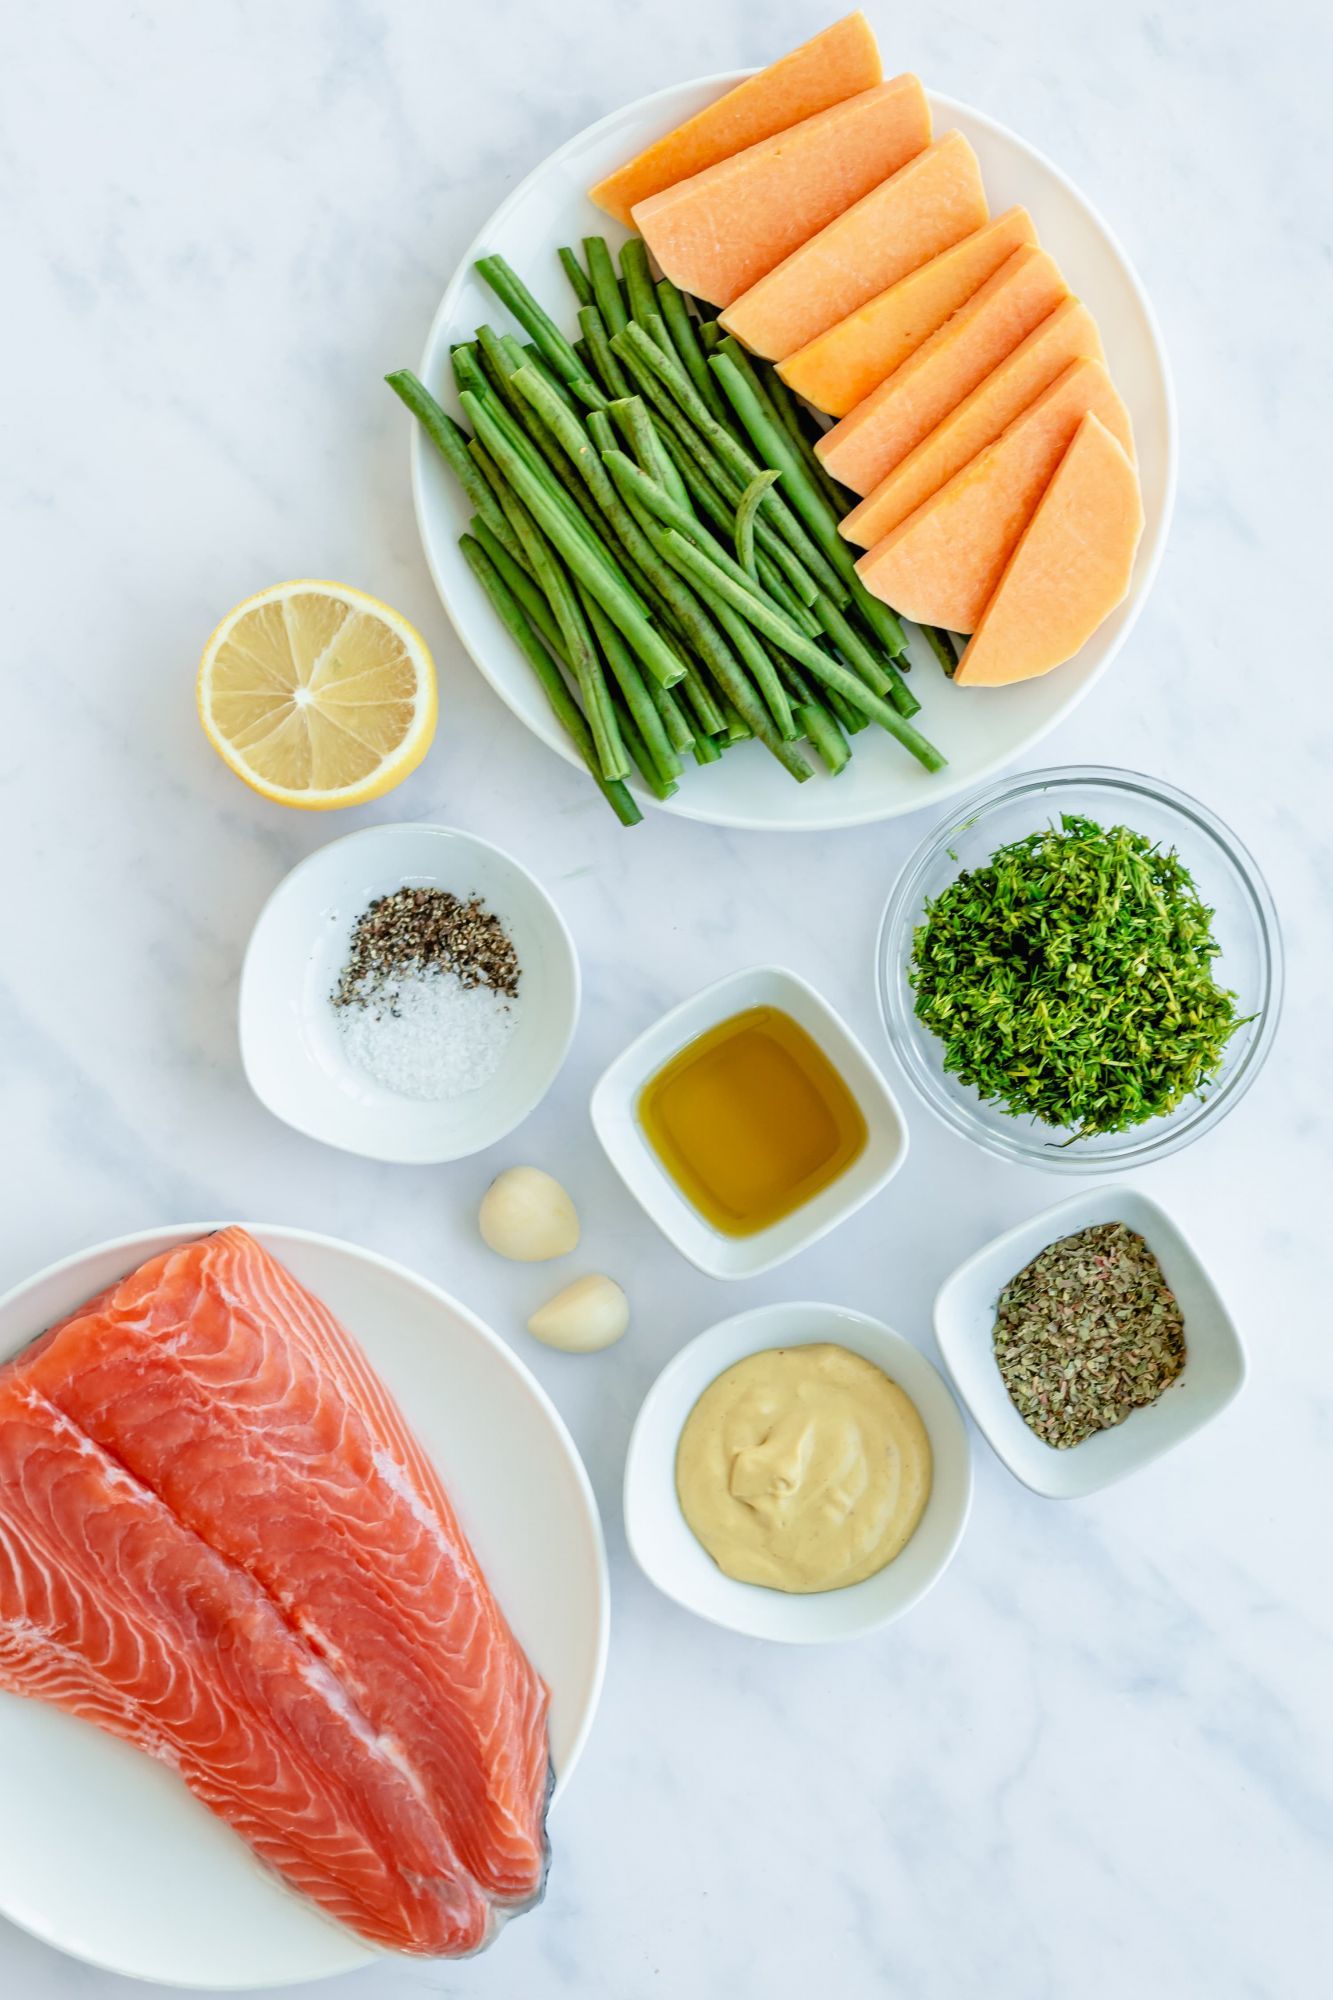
(656, 531)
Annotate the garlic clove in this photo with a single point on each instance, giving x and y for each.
(527, 1216)
(588, 1315)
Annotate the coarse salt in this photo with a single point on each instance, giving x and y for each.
(426, 1035)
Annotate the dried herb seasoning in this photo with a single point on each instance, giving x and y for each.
(1087, 1332)
(1071, 979)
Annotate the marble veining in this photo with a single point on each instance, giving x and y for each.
(1098, 1760)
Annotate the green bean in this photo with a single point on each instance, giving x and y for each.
(745, 513)
(673, 717)
(680, 331)
(501, 359)
(825, 737)
(698, 455)
(708, 502)
(511, 291)
(724, 666)
(738, 729)
(609, 371)
(466, 369)
(451, 441)
(582, 390)
(641, 492)
(588, 557)
(636, 488)
(776, 449)
(601, 431)
(851, 719)
(942, 646)
(787, 412)
(645, 441)
(660, 787)
(884, 678)
(578, 277)
(519, 581)
(647, 722)
(576, 638)
(638, 281)
(739, 461)
(708, 717)
(710, 578)
(525, 353)
(660, 575)
(606, 290)
(762, 671)
(563, 705)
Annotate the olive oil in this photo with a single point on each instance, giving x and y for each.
(751, 1120)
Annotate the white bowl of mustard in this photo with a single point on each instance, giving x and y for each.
(671, 1555)
(842, 1113)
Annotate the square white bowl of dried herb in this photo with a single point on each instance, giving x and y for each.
(1097, 1325)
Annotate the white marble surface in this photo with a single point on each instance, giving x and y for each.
(1097, 1761)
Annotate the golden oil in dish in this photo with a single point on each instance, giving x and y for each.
(751, 1120)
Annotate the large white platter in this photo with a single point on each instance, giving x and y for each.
(105, 1854)
(980, 729)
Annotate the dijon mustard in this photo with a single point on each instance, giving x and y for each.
(803, 1468)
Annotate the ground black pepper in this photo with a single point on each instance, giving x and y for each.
(421, 930)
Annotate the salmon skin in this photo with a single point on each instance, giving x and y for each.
(220, 1540)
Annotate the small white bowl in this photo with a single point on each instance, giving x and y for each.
(964, 1327)
(290, 1045)
(666, 1550)
(616, 1122)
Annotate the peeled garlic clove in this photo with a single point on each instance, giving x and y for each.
(589, 1314)
(527, 1216)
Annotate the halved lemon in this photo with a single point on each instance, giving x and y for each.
(317, 695)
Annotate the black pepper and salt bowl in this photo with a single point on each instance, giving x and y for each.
(409, 993)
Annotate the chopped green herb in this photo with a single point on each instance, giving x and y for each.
(1087, 1332)
(1071, 979)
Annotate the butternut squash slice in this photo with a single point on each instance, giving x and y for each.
(836, 64)
(879, 432)
(840, 366)
(1068, 334)
(931, 202)
(941, 565)
(1070, 569)
(722, 230)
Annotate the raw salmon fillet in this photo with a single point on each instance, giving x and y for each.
(240, 1430)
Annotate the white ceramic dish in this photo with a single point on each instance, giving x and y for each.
(615, 1121)
(290, 1045)
(667, 1552)
(1214, 1358)
(980, 730)
(103, 1853)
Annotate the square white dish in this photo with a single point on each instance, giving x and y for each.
(1214, 1368)
(616, 1123)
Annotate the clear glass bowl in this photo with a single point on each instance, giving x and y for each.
(1245, 925)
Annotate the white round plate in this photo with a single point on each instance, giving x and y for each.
(980, 730)
(103, 1853)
